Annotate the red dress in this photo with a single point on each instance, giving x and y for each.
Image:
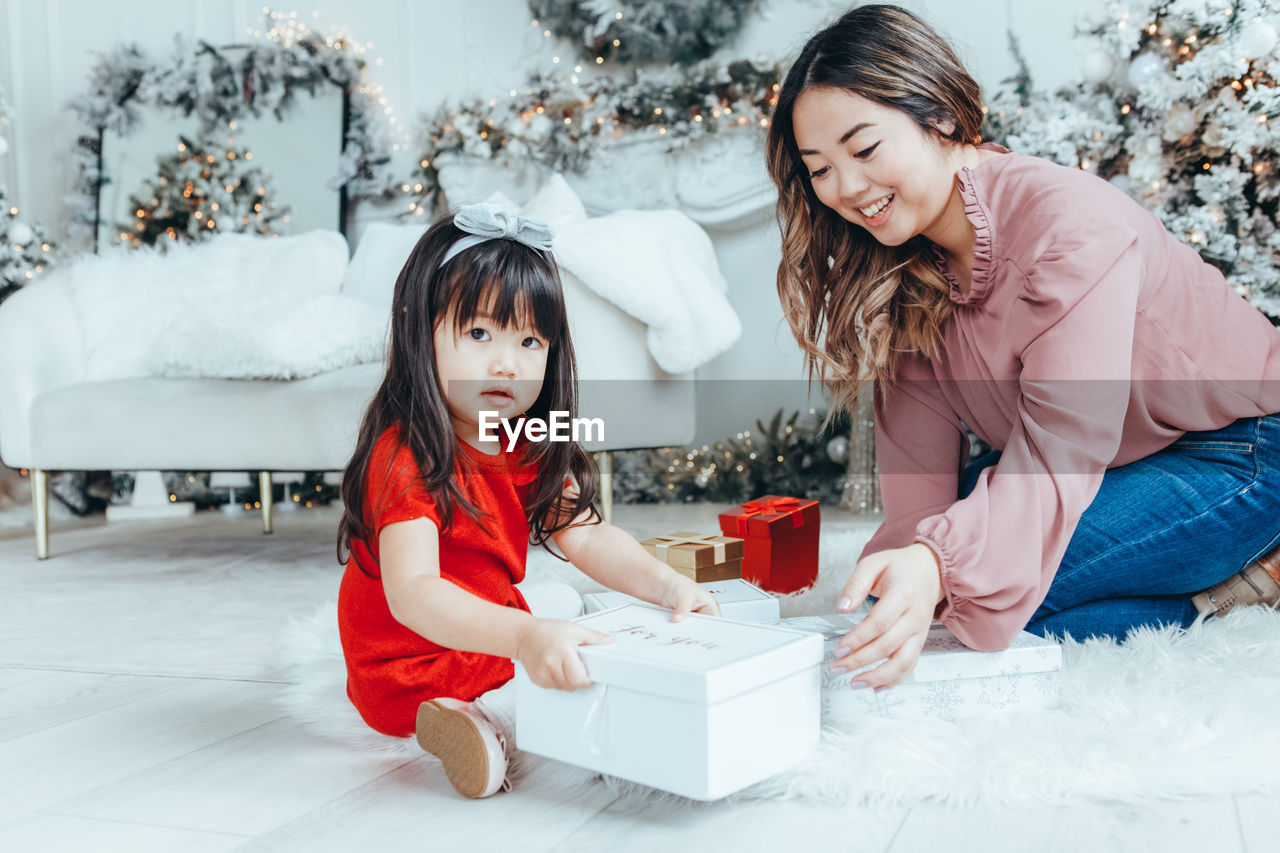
(391, 670)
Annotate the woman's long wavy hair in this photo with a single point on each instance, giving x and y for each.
(854, 305)
(516, 284)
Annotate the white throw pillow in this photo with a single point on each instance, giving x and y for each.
(126, 300)
(380, 254)
(273, 335)
(556, 203)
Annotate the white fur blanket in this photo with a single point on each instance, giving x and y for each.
(1168, 714)
(656, 265)
(235, 307)
(659, 267)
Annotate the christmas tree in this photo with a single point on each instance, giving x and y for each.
(202, 189)
(25, 252)
(1179, 109)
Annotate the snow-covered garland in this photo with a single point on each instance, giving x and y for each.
(678, 31)
(201, 80)
(25, 251)
(560, 122)
(1180, 110)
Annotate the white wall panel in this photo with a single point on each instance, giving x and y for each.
(11, 79)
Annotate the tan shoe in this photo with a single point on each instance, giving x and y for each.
(472, 749)
(1256, 583)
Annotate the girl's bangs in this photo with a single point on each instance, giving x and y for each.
(509, 284)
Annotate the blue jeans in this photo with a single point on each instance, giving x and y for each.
(1163, 528)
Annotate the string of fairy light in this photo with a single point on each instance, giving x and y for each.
(692, 456)
(1160, 33)
(288, 29)
(1193, 42)
(335, 56)
(1258, 40)
(546, 34)
(45, 248)
(21, 245)
(584, 122)
(662, 119)
(1155, 101)
(204, 194)
(747, 103)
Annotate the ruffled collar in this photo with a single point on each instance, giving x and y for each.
(975, 211)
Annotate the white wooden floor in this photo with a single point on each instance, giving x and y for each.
(137, 679)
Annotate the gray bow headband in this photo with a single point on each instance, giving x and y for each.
(487, 221)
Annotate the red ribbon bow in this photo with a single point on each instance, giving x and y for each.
(776, 506)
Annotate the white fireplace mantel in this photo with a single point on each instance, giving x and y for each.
(718, 180)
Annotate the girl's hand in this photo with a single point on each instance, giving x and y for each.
(682, 596)
(908, 583)
(548, 650)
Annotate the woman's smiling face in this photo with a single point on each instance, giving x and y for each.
(873, 164)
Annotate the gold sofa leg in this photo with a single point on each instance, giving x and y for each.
(264, 498)
(40, 506)
(605, 460)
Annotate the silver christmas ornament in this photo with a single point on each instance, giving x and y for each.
(1256, 39)
(838, 449)
(1097, 66)
(1146, 68)
(20, 233)
(1179, 121)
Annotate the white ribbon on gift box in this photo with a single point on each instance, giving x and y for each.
(595, 726)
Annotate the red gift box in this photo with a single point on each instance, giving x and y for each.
(781, 541)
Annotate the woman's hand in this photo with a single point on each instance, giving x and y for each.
(548, 650)
(908, 583)
(682, 596)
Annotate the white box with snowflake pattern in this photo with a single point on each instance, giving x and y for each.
(700, 708)
(950, 682)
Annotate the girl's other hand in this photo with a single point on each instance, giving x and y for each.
(908, 583)
(682, 596)
(548, 650)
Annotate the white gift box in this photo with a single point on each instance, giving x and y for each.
(950, 681)
(739, 600)
(701, 708)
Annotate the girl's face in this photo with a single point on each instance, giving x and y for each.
(873, 165)
(488, 368)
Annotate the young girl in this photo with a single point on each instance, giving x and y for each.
(1131, 393)
(437, 520)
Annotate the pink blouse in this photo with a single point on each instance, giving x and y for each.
(1090, 337)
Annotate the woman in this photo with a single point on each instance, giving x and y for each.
(1130, 391)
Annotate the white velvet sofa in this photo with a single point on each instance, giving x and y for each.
(103, 364)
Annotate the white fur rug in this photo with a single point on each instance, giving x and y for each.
(1166, 715)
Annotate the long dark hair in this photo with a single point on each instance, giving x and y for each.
(515, 284)
(853, 304)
